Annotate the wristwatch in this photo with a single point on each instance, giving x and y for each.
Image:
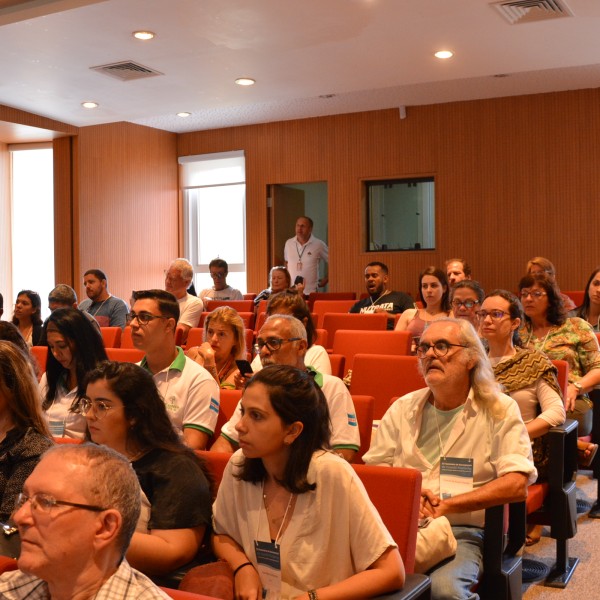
(579, 387)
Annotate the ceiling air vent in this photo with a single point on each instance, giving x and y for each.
(527, 11)
(126, 70)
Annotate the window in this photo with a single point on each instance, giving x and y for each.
(401, 214)
(214, 198)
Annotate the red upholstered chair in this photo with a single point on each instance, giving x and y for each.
(132, 355)
(126, 341)
(249, 296)
(320, 307)
(321, 338)
(181, 595)
(385, 377)
(562, 366)
(334, 321)
(67, 440)
(111, 337)
(227, 404)
(349, 343)
(239, 305)
(337, 365)
(363, 405)
(246, 316)
(262, 307)
(195, 337)
(216, 462)
(577, 297)
(317, 296)
(40, 354)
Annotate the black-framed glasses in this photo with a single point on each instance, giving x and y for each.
(220, 275)
(272, 343)
(143, 318)
(468, 304)
(44, 503)
(495, 315)
(440, 348)
(535, 294)
(98, 407)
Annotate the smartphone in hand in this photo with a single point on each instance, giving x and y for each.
(244, 367)
(299, 279)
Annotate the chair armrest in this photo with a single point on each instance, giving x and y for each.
(416, 587)
(563, 454)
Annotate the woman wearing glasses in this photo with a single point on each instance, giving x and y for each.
(548, 330)
(284, 496)
(75, 347)
(224, 343)
(24, 435)
(467, 296)
(125, 412)
(526, 375)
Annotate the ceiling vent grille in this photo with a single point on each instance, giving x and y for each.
(126, 70)
(527, 11)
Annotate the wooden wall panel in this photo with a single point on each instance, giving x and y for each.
(126, 205)
(15, 115)
(63, 211)
(5, 231)
(515, 177)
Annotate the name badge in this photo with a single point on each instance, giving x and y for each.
(269, 569)
(456, 476)
(299, 266)
(57, 427)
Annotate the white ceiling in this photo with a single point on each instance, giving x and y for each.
(370, 54)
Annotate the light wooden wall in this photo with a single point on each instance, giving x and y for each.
(126, 205)
(5, 238)
(515, 177)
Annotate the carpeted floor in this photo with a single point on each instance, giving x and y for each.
(585, 583)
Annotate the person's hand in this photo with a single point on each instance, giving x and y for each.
(570, 398)
(247, 585)
(300, 288)
(239, 380)
(204, 355)
(431, 505)
(323, 281)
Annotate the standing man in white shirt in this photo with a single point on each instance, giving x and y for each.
(302, 255)
(177, 281)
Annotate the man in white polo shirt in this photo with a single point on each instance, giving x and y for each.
(190, 394)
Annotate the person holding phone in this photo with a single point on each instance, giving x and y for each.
(224, 343)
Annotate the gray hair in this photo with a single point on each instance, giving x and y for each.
(184, 266)
(112, 483)
(485, 387)
(297, 328)
(63, 294)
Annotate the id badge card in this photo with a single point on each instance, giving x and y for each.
(57, 427)
(269, 569)
(456, 476)
(299, 266)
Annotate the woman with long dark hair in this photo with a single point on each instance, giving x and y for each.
(27, 316)
(590, 307)
(284, 495)
(75, 348)
(125, 412)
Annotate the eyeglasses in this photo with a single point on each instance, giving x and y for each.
(440, 348)
(219, 275)
(44, 503)
(143, 318)
(535, 294)
(495, 315)
(272, 343)
(98, 407)
(468, 304)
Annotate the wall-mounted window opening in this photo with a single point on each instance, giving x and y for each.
(400, 214)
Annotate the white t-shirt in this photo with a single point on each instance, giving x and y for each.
(307, 255)
(315, 357)
(61, 422)
(190, 310)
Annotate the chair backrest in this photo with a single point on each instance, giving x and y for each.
(396, 494)
(111, 336)
(337, 365)
(363, 405)
(320, 307)
(577, 296)
(132, 355)
(316, 296)
(40, 354)
(321, 337)
(349, 343)
(247, 316)
(216, 463)
(126, 339)
(334, 321)
(181, 595)
(239, 305)
(262, 307)
(249, 296)
(562, 367)
(385, 377)
(195, 337)
(227, 403)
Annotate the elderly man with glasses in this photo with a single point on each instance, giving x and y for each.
(467, 439)
(76, 515)
(190, 393)
(282, 341)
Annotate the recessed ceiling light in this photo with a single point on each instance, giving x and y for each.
(89, 104)
(444, 54)
(143, 35)
(245, 81)
(183, 114)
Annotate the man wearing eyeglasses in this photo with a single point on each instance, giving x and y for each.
(466, 438)
(467, 296)
(178, 278)
(76, 515)
(219, 269)
(282, 341)
(190, 393)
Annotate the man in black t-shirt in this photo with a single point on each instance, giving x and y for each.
(380, 298)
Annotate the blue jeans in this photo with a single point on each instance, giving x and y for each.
(454, 578)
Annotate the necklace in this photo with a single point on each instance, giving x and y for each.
(267, 509)
(224, 368)
(384, 293)
(98, 309)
